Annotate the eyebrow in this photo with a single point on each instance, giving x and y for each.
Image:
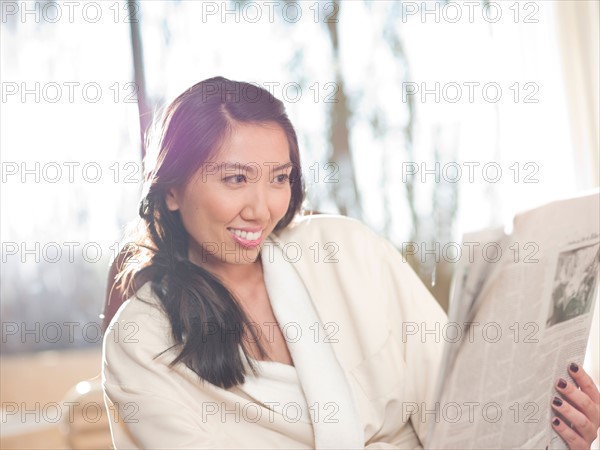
(252, 167)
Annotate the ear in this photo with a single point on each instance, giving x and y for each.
(172, 199)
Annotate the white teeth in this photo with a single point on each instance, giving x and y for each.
(245, 235)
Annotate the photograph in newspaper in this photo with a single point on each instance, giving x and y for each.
(574, 284)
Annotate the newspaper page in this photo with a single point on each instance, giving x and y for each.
(470, 275)
(520, 311)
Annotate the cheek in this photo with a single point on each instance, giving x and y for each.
(197, 215)
(193, 221)
(214, 207)
(283, 202)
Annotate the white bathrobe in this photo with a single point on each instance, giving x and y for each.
(345, 299)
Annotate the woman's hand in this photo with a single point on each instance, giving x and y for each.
(578, 411)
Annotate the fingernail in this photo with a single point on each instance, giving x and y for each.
(562, 383)
(556, 422)
(574, 367)
(557, 401)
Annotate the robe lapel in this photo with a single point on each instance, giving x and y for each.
(332, 406)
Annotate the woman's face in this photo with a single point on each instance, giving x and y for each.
(235, 200)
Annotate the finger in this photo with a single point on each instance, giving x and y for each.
(584, 381)
(579, 400)
(571, 438)
(579, 422)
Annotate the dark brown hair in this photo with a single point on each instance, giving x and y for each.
(207, 324)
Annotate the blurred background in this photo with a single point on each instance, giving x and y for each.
(425, 120)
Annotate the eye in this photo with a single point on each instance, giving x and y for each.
(235, 179)
(282, 178)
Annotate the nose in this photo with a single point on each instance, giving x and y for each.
(256, 207)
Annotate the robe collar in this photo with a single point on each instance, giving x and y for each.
(332, 406)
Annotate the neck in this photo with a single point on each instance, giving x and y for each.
(239, 277)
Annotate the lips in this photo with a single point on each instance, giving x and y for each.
(247, 237)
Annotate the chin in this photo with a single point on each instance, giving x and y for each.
(244, 256)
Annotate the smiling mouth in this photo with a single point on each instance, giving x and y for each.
(245, 238)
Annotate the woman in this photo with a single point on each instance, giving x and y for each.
(252, 326)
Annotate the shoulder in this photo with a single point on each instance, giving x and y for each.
(329, 227)
(140, 327)
(144, 304)
(312, 242)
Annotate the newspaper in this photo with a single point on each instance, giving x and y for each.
(521, 309)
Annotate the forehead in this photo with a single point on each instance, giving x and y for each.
(254, 143)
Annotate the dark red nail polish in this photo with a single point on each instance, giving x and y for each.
(557, 401)
(556, 422)
(562, 383)
(574, 367)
